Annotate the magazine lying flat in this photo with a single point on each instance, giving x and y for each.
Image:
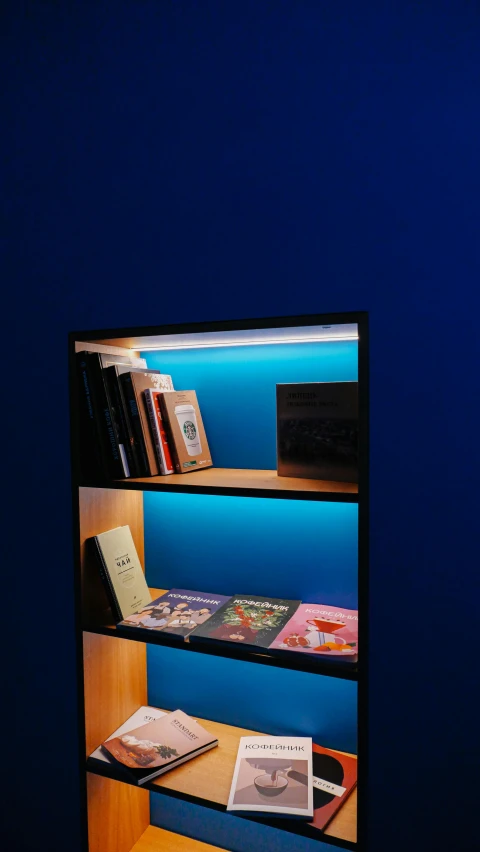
(248, 621)
(273, 775)
(177, 612)
(321, 630)
(334, 778)
(162, 744)
(140, 717)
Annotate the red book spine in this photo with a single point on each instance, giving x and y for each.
(167, 458)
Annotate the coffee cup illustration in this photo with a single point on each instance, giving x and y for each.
(271, 785)
(187, 420)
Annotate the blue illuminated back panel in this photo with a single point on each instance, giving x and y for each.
(279, 548)
(295, 549)
(235, 388)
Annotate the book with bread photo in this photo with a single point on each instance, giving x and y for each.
(273, 776)
(144, 714)
(247, 620)
(152, 749)
(175, 613)
(321, 630)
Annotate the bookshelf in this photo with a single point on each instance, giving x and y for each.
(113, 674)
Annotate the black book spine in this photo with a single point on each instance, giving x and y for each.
(112, 598)
(136, 424)
(92, 464)
(124, 429)
(106, 427)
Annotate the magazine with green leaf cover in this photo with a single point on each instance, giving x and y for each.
(247, 621)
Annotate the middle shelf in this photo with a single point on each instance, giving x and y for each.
(206, 781)
(295, 662)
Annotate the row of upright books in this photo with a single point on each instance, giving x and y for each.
(253, 622)
(133, 423)
(283, 776)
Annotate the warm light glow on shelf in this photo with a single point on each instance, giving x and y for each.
(221, 345)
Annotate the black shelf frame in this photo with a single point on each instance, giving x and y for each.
(282, 660)
(292, 826)
(362, 498)
(224, 491)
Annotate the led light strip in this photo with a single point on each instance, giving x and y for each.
(160, 348)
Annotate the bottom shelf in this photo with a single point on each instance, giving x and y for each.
(206, 781)
(158, 840)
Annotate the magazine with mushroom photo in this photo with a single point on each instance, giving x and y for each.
(152, 749)
(273, 775)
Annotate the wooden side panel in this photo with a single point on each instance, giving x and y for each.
(103, 509)
(118, 814)
(158, 840)
(115, 682)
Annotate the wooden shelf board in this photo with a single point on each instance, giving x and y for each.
(159, 840)
(294, 662)
(239, 482)
(206, 781)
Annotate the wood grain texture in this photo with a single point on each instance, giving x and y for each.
(115, 683)
(159, 840)
(91, 346)
(103, 509)
(209, 776)
(118, 814)
(223, 477)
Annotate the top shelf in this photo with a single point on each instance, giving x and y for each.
(242, 483)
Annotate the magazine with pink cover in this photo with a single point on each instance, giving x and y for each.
(154, 748)
(322, 630)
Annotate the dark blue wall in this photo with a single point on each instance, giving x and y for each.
(169, 161)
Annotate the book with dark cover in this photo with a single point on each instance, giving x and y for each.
(93, 464)
(134, 383)
(334, 778)
(317, 430)
(105, 421)
(175, 613)
(122, 419)
(160, 745)
(246, 620)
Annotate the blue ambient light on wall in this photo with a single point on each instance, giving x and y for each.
(286, 548)
(235, 386)
(261, 698)
(227, 830)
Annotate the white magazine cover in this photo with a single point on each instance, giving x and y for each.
(273, 775)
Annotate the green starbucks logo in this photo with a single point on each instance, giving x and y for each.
(189, 430)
